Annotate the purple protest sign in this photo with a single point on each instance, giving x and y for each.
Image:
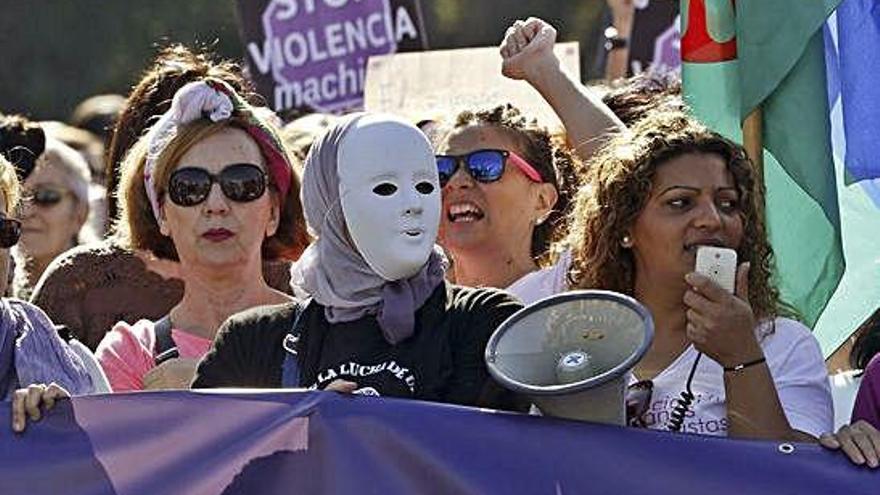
(667, 49)
(312, 54)
(654, 42)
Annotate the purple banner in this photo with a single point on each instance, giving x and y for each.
(311, 55)
(325, 443)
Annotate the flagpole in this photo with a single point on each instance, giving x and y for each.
(753, 141)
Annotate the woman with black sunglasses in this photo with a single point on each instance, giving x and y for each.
(74, 288)
(55, 208)
(211, 187)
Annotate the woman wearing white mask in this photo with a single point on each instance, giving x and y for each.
(376, 313)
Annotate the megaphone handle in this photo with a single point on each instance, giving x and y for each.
(683, 404)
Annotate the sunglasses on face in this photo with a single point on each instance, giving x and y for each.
(10, 232)
(240, 182)
(483, 165)
(45, 197)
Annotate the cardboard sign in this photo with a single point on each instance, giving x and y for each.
(312, 54)
(441, 83)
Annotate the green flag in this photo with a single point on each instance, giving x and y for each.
(769, 55)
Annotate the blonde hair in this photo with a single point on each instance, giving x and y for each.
(72, 164)
(9, 185)
(137, 228)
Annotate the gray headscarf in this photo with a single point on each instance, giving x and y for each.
(333, 272)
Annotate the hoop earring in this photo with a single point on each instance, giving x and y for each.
(541, 220)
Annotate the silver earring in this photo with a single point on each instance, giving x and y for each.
(626, 241)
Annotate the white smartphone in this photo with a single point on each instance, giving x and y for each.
(719, 264)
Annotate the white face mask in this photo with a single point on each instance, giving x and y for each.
(390, 194)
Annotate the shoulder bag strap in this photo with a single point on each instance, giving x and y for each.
(290, 373)
(165, 348)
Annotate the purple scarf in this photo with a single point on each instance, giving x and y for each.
(333, 272)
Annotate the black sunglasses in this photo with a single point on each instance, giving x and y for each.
(43, 196)
(10, 232)
(240, 182)
(483, 165)
(638, 400)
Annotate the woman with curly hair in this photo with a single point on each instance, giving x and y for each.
(652, 197)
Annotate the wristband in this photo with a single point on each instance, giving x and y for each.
(615, 43)
(743, 366)
(613, 40)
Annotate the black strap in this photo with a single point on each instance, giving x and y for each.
(165, 348)
(64, 332)
(290, 372)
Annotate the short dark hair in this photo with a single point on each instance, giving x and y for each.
(21, 143)
(97, 114)
(867, 343)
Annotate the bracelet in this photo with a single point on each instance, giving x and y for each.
(743, 366)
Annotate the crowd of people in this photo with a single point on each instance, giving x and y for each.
(368, 254)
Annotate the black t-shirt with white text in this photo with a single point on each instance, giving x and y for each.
(442, 361)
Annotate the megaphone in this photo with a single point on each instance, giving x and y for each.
(570, 353)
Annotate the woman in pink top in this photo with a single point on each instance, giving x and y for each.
(210, 192)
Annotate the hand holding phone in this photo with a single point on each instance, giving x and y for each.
(722, 326)
(718, 264)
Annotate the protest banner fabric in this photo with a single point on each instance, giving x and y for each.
(242, 442)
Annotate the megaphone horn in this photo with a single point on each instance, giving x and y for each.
(571, 353)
